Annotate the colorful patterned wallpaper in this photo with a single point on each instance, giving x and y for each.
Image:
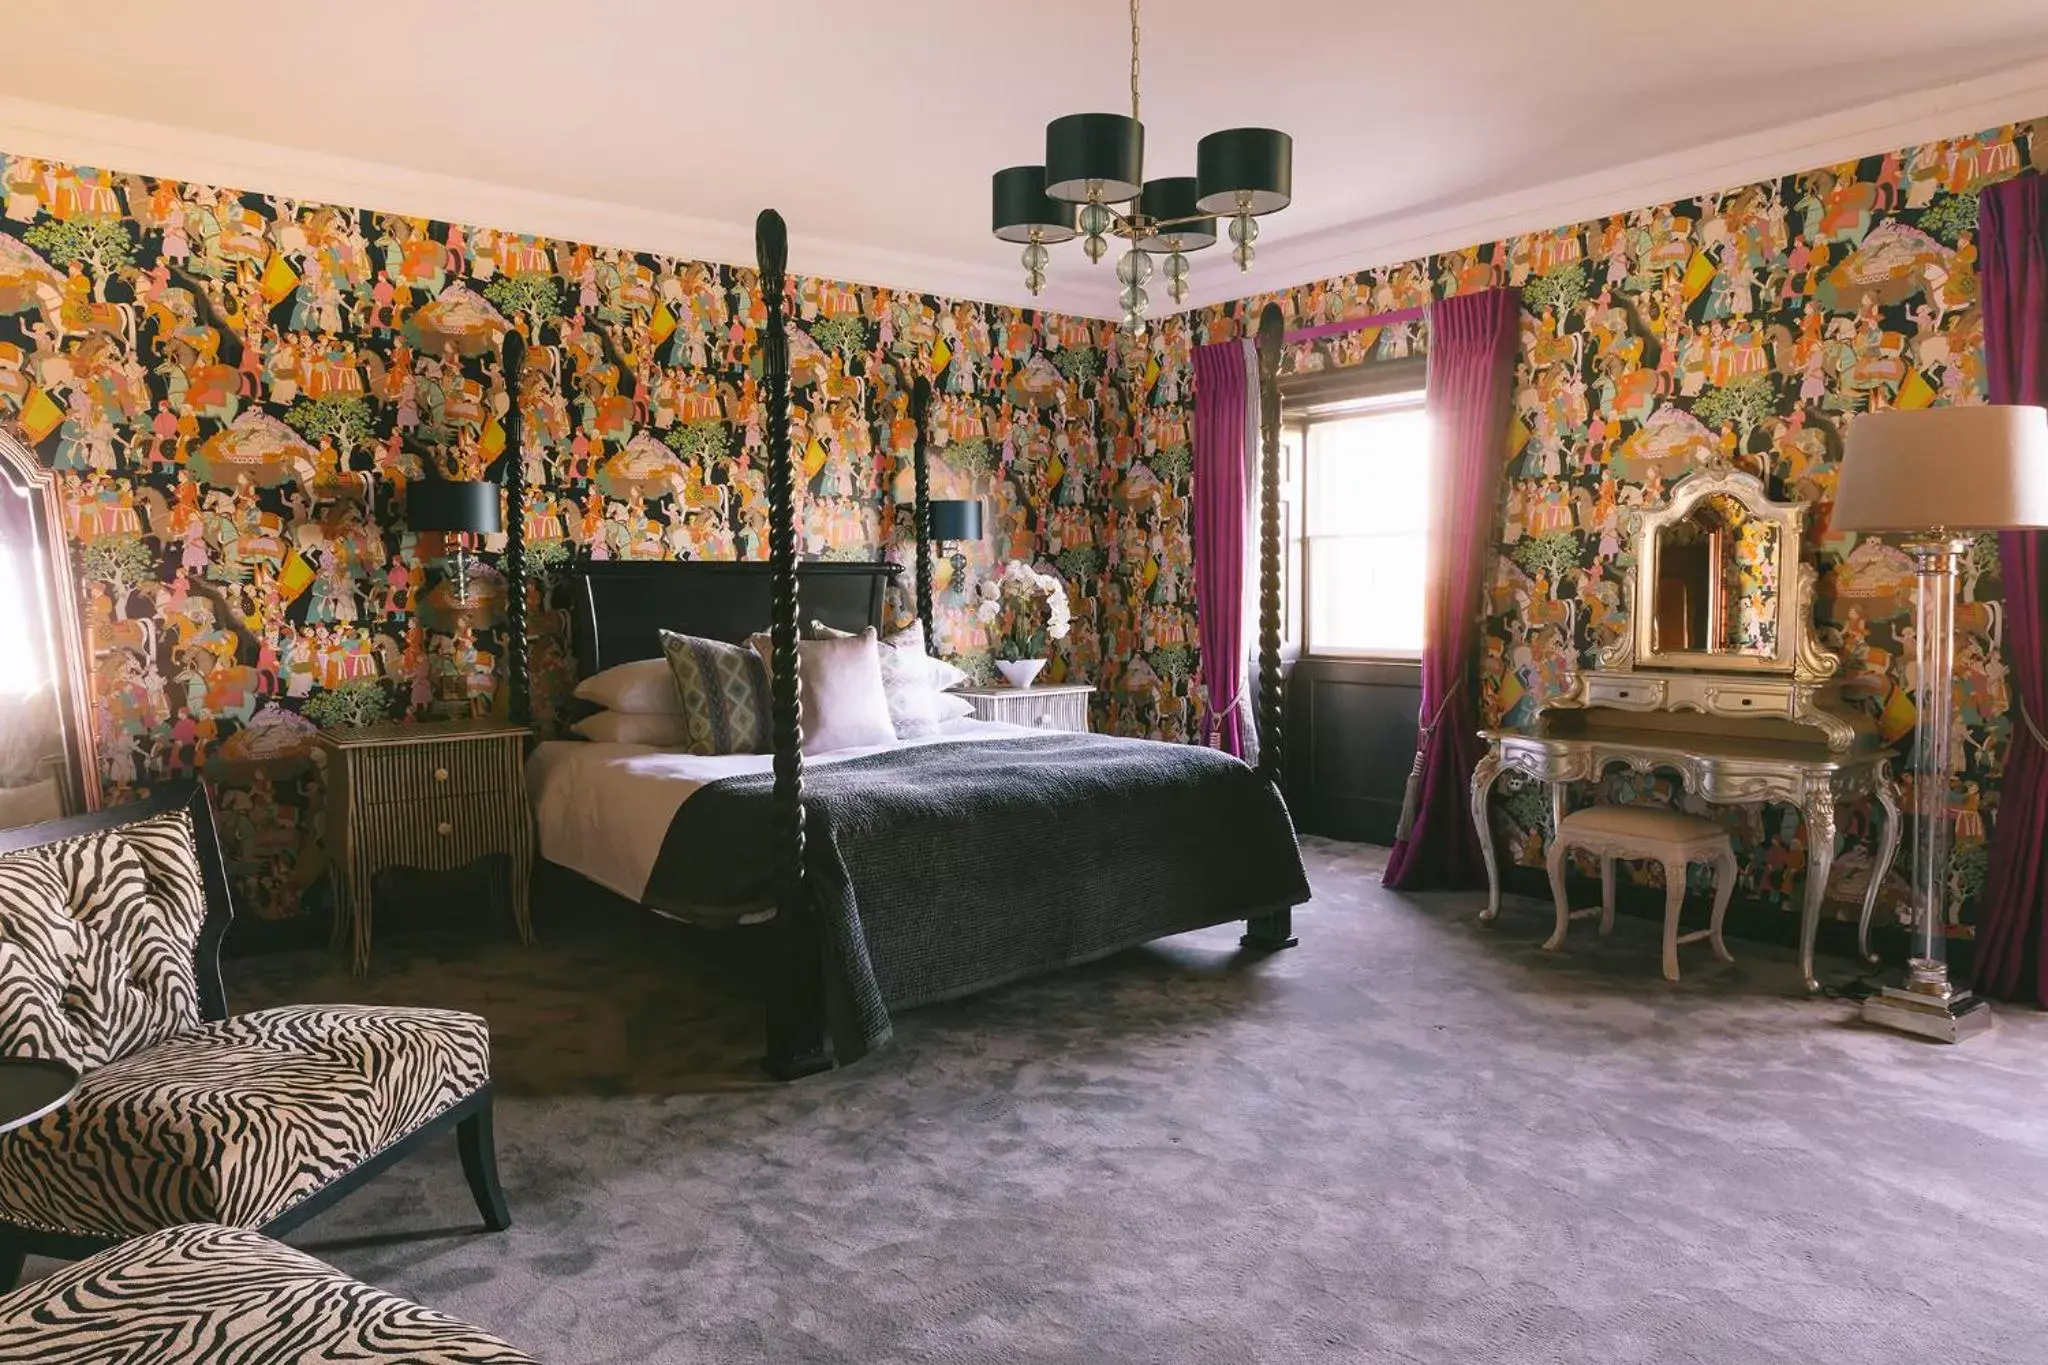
(1752, 323)
(236, 388)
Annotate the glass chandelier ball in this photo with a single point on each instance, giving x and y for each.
(1095, 245)
(1135, 300)
(1134, 322)
(1244, 229)
(1135, 267)
(1034, 280)
(1036, 257)
(1176, 266)
(1095, 219)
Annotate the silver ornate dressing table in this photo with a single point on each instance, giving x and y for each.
(1719, 679)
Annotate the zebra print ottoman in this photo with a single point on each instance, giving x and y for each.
(202, 1293)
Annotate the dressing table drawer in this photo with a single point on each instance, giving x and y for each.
(1736, 699)
(1632, 693)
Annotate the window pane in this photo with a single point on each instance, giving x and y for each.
(1365, 592)
(1367, 520)
(1369, 473)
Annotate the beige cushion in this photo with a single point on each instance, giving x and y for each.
(1649, 823)
(201, 1294)
(96, 942)
(645, 687)
(236, 1120)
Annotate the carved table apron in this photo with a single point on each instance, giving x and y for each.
(1725, 772)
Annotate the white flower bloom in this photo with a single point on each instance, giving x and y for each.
(988, 611)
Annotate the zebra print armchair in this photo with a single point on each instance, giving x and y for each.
(110, 932)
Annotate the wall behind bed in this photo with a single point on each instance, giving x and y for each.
(1758, 320)
(236, 387)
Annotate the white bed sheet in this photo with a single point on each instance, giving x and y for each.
(602, 810)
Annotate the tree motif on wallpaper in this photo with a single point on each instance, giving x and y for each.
(1745, 326)
(236, 388)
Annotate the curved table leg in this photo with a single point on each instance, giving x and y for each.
(1482, 787)
(1820, 861)
(1887, 850)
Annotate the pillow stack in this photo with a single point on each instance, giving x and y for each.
(639, 706)
(709, 697)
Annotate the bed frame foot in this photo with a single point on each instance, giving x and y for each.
(1269, 933)
(795, 1066)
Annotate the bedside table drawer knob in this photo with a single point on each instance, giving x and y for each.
(440, 774)
(444, 829)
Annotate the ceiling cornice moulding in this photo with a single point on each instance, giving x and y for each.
(84, 138)
(90, 139)
(1953, 110)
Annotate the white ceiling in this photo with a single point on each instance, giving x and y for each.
(873, 125)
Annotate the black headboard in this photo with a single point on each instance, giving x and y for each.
(617, 607)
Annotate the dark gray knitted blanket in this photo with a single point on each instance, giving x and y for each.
(941, 869)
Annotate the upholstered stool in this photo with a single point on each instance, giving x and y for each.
(202, 1293)
(1672, 838)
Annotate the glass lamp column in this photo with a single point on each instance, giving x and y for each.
(1928, 1004)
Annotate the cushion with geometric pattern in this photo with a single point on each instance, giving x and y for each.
(724, 689)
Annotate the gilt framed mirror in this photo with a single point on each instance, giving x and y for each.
(48, 748)
(1719, 584)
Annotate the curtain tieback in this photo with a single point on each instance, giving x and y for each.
(2027, 718)
(1411, 797)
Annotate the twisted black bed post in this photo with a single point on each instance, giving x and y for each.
(521, 695)
(1270, 932)
(921, 508)
(796, 1019)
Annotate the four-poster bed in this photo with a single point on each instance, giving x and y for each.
(897, 874)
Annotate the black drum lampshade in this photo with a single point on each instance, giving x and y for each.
(1244, 170)
(1170, 198)
(1023, 208)
(955, 519)
(453, 505)
(1102, 151)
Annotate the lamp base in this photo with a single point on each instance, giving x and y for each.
(1929, 1007)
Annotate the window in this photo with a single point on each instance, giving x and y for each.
(21, 610)
(1363, 525)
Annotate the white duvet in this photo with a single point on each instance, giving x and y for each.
(604, 809)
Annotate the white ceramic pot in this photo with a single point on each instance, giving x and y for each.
(1020, 672)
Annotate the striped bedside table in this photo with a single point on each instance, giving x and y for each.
(1047, 706)
(433, 795)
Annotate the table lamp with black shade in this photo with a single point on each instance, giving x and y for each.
(451, 506)
(1936, 476)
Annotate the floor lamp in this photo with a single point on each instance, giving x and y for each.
(1937, 475)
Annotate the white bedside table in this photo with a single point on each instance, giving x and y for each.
(1048, 706)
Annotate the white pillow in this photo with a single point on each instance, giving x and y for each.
(840, 681)
(629, 727)
(914, 681)
(644, 687)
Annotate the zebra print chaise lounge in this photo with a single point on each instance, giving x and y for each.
(202, 1294)
(110, 931)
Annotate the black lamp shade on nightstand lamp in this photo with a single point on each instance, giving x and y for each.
(955, 519)
(453, 505)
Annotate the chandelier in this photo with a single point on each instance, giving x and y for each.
(1095, 163)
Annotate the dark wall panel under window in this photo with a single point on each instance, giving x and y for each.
(1351, 737)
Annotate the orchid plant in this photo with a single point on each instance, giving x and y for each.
(1025, 611)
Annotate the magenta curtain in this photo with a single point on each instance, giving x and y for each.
(2013, 281)
(1472, 340)
(1223, 401)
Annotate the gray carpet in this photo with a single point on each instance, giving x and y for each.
(1410, 1139)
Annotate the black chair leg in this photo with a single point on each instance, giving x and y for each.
(479, 1149)
(11, 1258)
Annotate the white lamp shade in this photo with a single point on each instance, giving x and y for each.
(1950, 469)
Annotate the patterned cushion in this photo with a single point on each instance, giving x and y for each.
(200, 1294)
(725, 694)
(96, 942)
(236, 1120)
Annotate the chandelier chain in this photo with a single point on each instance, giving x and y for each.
(1134, 61)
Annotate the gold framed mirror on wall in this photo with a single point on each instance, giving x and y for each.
(49, 753)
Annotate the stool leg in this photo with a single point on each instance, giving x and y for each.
(1674, 900)
(1724, 890)
(1564, 907)
(1606, 896)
